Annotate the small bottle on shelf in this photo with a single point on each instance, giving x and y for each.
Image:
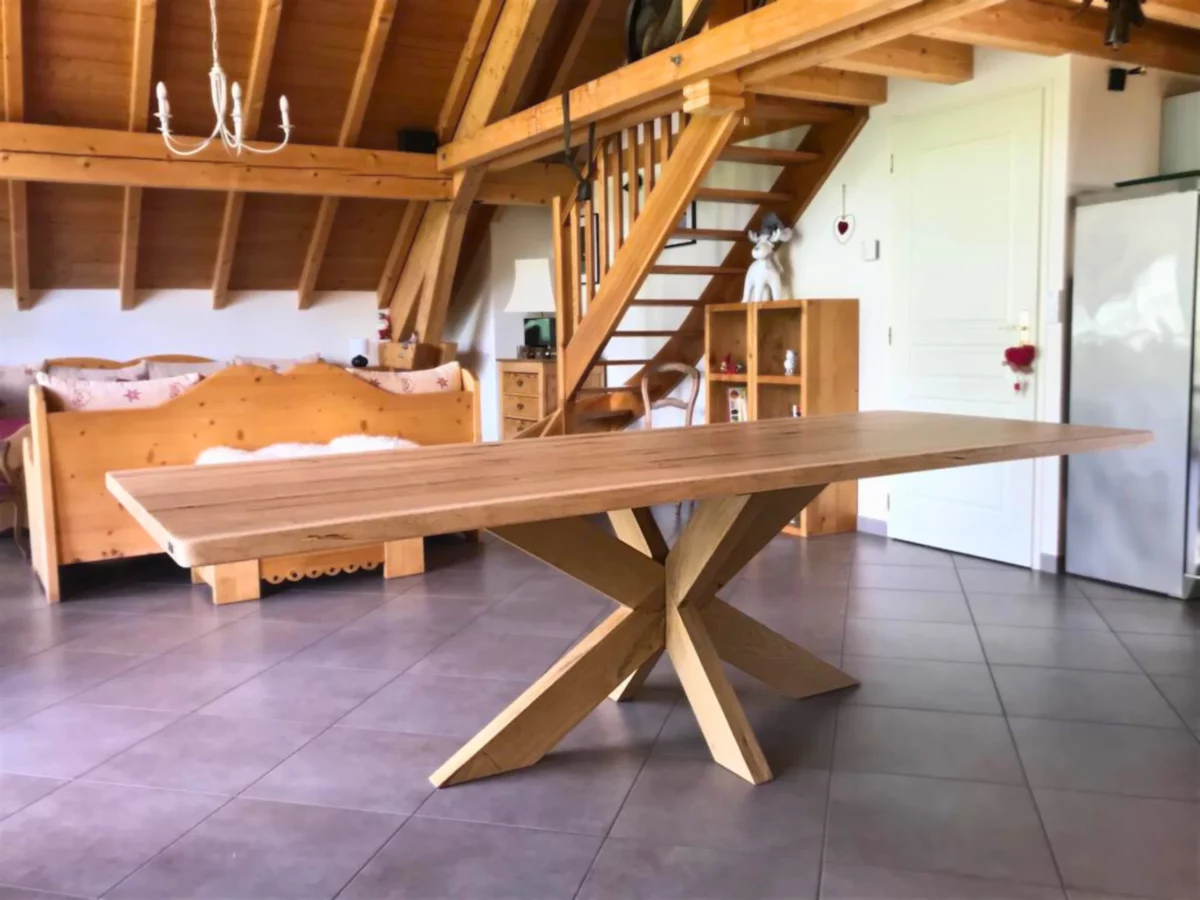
(795, 410)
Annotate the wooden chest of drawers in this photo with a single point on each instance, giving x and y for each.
(529, 392)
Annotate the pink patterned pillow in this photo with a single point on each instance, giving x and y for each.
(139, 371)
(96, 395)
(14, 390)
(426, 381)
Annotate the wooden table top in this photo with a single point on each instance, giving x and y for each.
(227, 513)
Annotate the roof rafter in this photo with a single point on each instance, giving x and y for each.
(1052, 29)
(139, 115)
(265, 34)
(382, 16)
(14, 111)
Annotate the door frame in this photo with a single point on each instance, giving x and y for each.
(1049, 337)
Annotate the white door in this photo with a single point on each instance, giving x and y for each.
(967, 228)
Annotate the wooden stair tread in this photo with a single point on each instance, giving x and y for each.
(766, 156)
(670, 332)
(688, 303)
(710, 234)
(697, 270)
(620, 362)
(732, 195)
(613, 389)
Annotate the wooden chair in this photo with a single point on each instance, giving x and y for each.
(689, 406)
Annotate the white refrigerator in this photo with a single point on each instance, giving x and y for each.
(1132, 515)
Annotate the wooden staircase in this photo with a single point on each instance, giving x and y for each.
(606, 245)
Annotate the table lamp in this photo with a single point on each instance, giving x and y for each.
(533, 297)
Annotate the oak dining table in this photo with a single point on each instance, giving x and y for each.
(541, 495)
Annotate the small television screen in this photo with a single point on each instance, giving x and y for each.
(539, 331)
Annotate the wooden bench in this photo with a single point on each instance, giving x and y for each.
(74, 519)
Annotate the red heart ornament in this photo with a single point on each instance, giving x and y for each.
(843, 228)
(1020, 357)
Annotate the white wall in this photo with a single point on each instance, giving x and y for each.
(1092, 138)
(264, 324)
(484, 332)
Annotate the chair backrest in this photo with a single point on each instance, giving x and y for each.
(673, 402)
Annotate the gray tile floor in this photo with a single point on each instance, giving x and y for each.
(1015, 736)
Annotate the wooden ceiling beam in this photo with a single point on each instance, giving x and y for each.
(1052, 29)
(14, 111)
(56, 153)
(895, 25)
(1185, 13)
(829, 86)
(763, 34)
(382, 15)
(139, 116)
(916, 57)
(265, 33)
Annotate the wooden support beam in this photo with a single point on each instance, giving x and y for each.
(14, 111)
(897, 24)
(515, 39)
(382, 15)
(95, 156)
(139, 115)
(829, 86)
(265, 33)
(469, 61)
(703, 139)
(916, 57)
(401, 245)
(1030, 27)
(763, 34)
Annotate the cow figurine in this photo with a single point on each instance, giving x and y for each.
(765, 277)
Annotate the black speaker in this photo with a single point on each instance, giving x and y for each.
(1116, 79)
(413, 140)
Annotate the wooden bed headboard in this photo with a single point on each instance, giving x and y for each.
(95, 362)
(242, 406)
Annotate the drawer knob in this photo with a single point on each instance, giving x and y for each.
(520, 406)
(520, 382)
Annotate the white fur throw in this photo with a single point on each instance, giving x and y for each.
(350, 443)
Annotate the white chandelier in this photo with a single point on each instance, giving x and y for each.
(233, 138)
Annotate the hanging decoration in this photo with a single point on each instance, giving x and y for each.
(843, 225)
(234, 137)
(1019, 360)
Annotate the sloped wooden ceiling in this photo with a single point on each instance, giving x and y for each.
(78, 64)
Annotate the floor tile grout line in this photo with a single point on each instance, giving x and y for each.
(39, 892)
(241, 794)
(833, 756)
(1037, 810)
(371, 858)
(1186, 725)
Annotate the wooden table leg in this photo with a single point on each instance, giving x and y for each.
(669, 601)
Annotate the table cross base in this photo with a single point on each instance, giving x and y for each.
(668, 602)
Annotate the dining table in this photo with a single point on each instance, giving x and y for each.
(543, 495)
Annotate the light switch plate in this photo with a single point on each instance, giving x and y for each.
(870, 250)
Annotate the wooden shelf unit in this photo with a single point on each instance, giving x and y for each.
(824, 334)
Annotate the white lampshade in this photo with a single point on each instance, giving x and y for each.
(533, 287)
